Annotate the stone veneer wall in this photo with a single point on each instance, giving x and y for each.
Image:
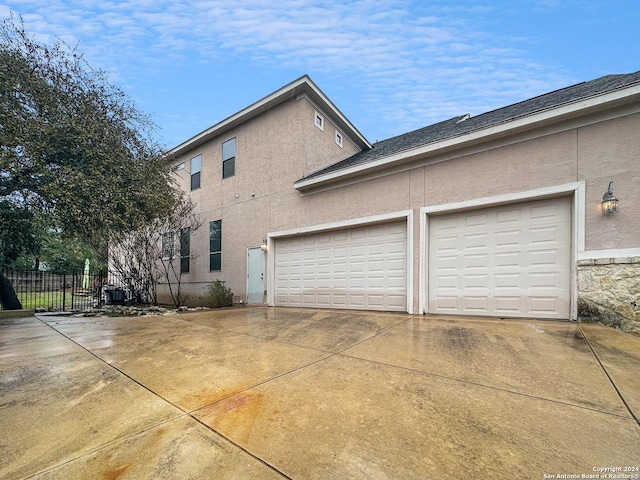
(609, 292)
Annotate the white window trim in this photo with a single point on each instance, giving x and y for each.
(318, 121)
(339, 138)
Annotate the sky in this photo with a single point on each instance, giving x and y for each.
(390, 66)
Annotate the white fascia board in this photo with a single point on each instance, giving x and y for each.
(502, 129)
(342, 224)
(291, 90)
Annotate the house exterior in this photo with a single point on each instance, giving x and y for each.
(498, 214)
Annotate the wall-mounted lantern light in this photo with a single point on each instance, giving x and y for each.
(609, 202)
(264, 246)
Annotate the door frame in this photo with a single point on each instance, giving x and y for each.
(405, 215)
(576, 190)
(255, 250)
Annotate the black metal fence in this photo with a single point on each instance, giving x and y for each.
(63, 291)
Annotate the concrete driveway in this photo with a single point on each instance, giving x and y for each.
(263, 393)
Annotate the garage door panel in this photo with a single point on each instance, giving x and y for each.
(545, 235)
(505, 216)
(396, 266)
(357, 300)
(544, 305)
(546, 280)
(339, 253)
(507, 259)
(356, 267)
(324, 268)
(544, 257)
(476, 241)
(516, 257)
(479, 305)
(508, 280)
(544, 211)
(447, 243)
(397, 302)
(396, 247)
(507, 305)
(475, 219)
(476, 260)
(508, 238)
(363, 267)
(476, 281)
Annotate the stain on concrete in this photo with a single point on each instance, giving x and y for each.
(117, 472)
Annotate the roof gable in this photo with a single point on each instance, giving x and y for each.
(302, 86)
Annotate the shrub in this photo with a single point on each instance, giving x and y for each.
(219, 295)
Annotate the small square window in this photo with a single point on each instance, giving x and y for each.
(319, 121)
(338, 138)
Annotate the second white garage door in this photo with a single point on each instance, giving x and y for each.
(358, 268)
(512, 260)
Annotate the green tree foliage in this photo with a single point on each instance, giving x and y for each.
(74, 149)
(14, 220)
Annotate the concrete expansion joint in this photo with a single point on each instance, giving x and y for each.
(611, 381)
(302, 394)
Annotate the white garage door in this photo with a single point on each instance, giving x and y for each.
(359, 268)
(511, 261)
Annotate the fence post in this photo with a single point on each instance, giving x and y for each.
(101, 279)
(64, 290)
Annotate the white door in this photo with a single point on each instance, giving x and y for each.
(357, 268)
(512, 260)
(255, 275)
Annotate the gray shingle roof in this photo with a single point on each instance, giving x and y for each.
(455, 126)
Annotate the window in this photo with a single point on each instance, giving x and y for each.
(215, 245)
(178, 167)
(338, 138)
(185, 250)
(196, 167)
(229, 158)
(167, 245)
(319, 121)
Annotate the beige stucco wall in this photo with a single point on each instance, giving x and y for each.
(522, 166)
(277, 148)
(272, 151)
(610, 151)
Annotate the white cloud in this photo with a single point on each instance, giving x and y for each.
(411, 64)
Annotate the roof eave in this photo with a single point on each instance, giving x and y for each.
(538, 119)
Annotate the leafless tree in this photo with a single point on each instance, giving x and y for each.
(176, 255)
(155, 254)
